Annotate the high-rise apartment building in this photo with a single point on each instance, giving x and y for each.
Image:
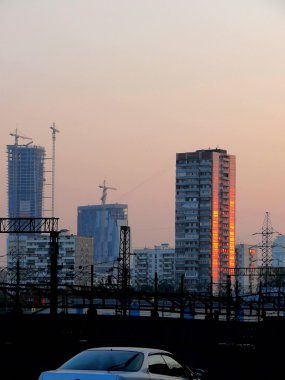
(103, 222)
(75, 257)
(205, 218)
(25, 190)
(25, 180)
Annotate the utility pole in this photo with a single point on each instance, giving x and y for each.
(124, 266)
(211, 297)
(155, 301)
(91, 287)
(53, 271)
(182, 296)
(229, 298)
(18, 303)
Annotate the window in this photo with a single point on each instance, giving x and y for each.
(105, 360)
(175, 368)
(158, 365)
(168, 366)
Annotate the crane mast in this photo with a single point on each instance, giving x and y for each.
(103, 230)
(104, 192)
(54, 131)
(17, 136)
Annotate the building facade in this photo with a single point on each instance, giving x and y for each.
(205, 218)
(32, 254)
(278, 252)
(247, 257)
(103, 222)
(25, 180)
(25, 191)
(150, 262)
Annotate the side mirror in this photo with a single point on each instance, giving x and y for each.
(199, 374)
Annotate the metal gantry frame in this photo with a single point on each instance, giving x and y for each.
(124, 258)
(124, 293)
(28, 225)
(124, 267)
(32, 226)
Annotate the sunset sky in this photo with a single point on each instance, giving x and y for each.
(129, 83)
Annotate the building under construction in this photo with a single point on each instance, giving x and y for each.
(25, 189)
(103, 222)
(25, 180)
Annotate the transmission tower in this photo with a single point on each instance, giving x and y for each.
(267, 233)
(267, 241)
(124, 258)
(124, 268)
(266, 246)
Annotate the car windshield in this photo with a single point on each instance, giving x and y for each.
(105, 360)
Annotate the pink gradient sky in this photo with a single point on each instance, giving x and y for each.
(130, 83)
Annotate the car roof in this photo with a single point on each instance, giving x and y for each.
(145, 350)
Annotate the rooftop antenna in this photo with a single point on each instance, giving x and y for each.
(54, 131)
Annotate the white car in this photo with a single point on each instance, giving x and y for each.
(123, 363)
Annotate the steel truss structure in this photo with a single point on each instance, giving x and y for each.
(28, 225)
(260, 271)
(36, 299)
(37, 225)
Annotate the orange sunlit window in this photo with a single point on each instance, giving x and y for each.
(232, 232)
(215, 218)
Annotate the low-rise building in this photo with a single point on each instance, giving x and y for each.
(31, 255)
(147, 263)
(247, 259)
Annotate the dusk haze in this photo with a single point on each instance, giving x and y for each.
(129, 84)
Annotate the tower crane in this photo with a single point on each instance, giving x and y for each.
(54, 131)
(103, 239)
(104, 192)
(17, 136)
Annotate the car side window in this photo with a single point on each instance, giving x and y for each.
(157, 365)
(175, 368)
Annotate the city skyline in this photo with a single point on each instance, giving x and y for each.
(130, 84)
